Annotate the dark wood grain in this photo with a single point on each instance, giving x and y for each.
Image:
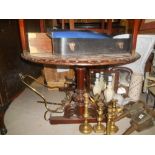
(11, 65)
(81, 60)
(42, 25)
(23, 36)
(73, 120)
(137, 23)
(147, 26)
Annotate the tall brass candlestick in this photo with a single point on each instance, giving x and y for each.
(99, 127)
(85, 127)
(111, 128)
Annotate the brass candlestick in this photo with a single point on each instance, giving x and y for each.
(85, 127)
(111, 128)
(99, 127)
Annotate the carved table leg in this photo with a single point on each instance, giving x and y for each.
(3, 129)
(73, 113)
(77, 108)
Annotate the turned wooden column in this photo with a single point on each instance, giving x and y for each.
(77, 108)
(23, 35)
(137, 23)
(80, 77)
(42, 25)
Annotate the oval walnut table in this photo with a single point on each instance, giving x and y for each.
(74, 113)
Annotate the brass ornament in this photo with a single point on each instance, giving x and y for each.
(99, 127)
(111, 128)
(85, 127)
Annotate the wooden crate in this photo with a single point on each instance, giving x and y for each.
(56, 76)
(41, 43)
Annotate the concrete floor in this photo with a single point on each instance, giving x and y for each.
(26, 117)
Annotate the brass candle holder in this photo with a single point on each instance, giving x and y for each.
(85, 127)
(111, 128)
(99, 127)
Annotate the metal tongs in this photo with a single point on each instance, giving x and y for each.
(59, 109)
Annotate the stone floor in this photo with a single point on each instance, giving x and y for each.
(26, 117)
